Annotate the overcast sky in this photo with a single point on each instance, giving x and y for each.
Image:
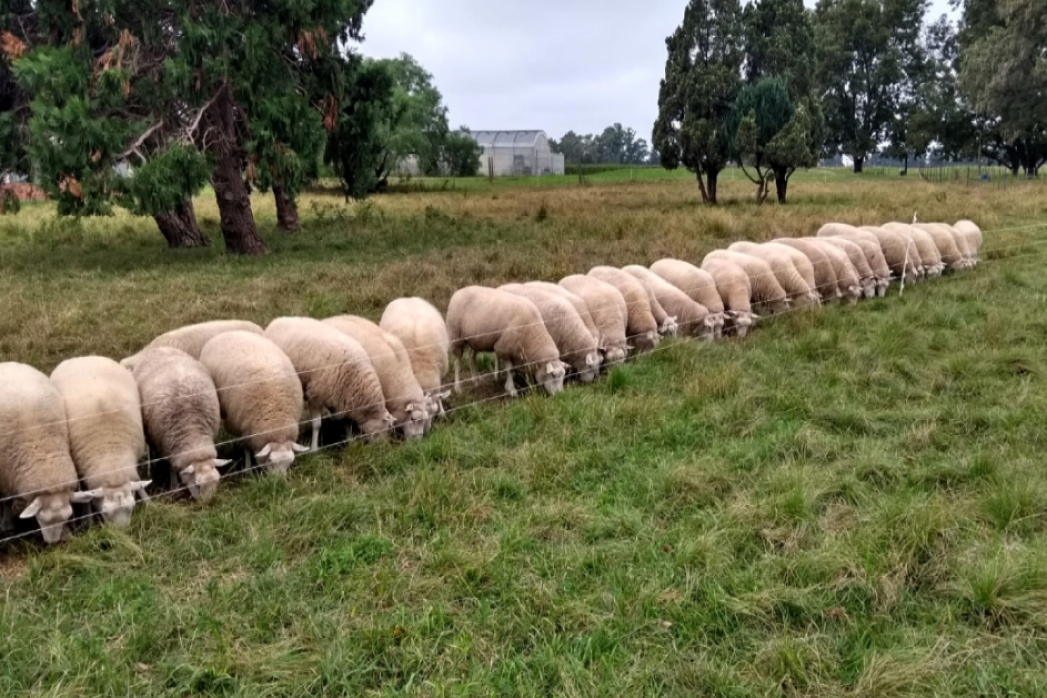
(555, 65)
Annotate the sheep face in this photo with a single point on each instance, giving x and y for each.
(869, 287)
(118, 503)
(278, 457)
(670, 327)
(378, 427)
(415, 420)
(708, 327)
(647, 341)
(881, 287)
(615, 355)
(201, 478)
(778, 305)
(52, 511)
(588, 373)
(551, 376)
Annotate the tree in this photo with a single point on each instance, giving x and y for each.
(766, 132)
(460, 154)
(870, 54)
(18, 22)
(702, 79)
(416, 122)
(1004, 74)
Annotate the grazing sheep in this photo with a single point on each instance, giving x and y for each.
(767, 292)
(488, 320)
(192, 338)
(608, 310)
(106, 436)
(850, 283)
(973, 234)
(404, 397)
(825, 278)
(962, 244)
(260, 395)
(870, 245)
(336, 375)
(900, 253)
(578, 349)
(735, 291)
(693, 317)
(930, 258)
(793, 269)
(37, 475)
(421, 328)
(642, 327)
(698, 284)
(945, 241)
(667, 325)
(181, 416)
(859, 262)
(580, 306)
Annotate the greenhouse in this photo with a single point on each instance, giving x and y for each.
(517, 153)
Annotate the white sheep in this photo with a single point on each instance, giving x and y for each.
(930, 258)
(404, 397)
(181, 416)
(693, 317)
(106, 436)
(698, 284)
(488, 320)
(608, 310)
(974, 236)
(825, 276)
(36, 469)
(794, 270)
(850, 281)
(735, 291)
(870, 245)
(900, 252)
(192, 338)
(858, 260)
(336, 375)
(578, 349)
(767, 292)
(580, 306)
(945, 241)
(421, 328)
(963, 244)
(260, 394)
(641, 326)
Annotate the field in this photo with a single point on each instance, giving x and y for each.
(848, 503)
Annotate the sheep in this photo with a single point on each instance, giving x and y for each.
(900, 253)
(36, 468)
(930, 258)
(486, 319)
(181, 416)
(578, 348)
(580, 306)
(642, 327)
(962, 244)
(693, 317)
(766, 291)
(260, 395)
(421, 328)
(698, 284)
(608, 310)
(106, 436)
(735, 291)
(667, 325)
(336, 374)
(850, 282)
(192, 338)
(794, 270)
(974, 236)
(870, 245)
(859, 262)
(404, 397)
(826, 280)
(944, 239)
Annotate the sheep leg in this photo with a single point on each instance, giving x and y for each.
(7, 517)
(510, 387)
(316, 418)
(496, 368)
(458, 374)
(471, 356)
(247, 459)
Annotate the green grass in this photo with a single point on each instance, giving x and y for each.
(849, 503)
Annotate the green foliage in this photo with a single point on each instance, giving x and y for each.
(702, 79)
(460, 154)
(416, 121)
(158, 184)
(615, 145)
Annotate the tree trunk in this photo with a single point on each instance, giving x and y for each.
(179, 227)
(859, 164)
(905, 167)
(234, 203)
(701, 185)
(713, 176)
(781, 184)
(286, 210)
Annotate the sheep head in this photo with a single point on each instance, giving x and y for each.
(53, 511)
(118, 503)
(278, 457)
(201, 478)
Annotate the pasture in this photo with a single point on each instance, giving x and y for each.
(850, 502)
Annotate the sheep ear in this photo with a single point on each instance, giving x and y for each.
(551, 367)
(710, 321)
(141, 484)
(265, 451)
(191, 470)
(87, 496)
(219, 463)
(590, 360)
(32, 510)
(390, 419)
(444, 395)
(299, 448)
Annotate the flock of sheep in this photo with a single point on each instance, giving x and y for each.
(79, 435)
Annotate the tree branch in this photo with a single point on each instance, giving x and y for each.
(141, 141)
